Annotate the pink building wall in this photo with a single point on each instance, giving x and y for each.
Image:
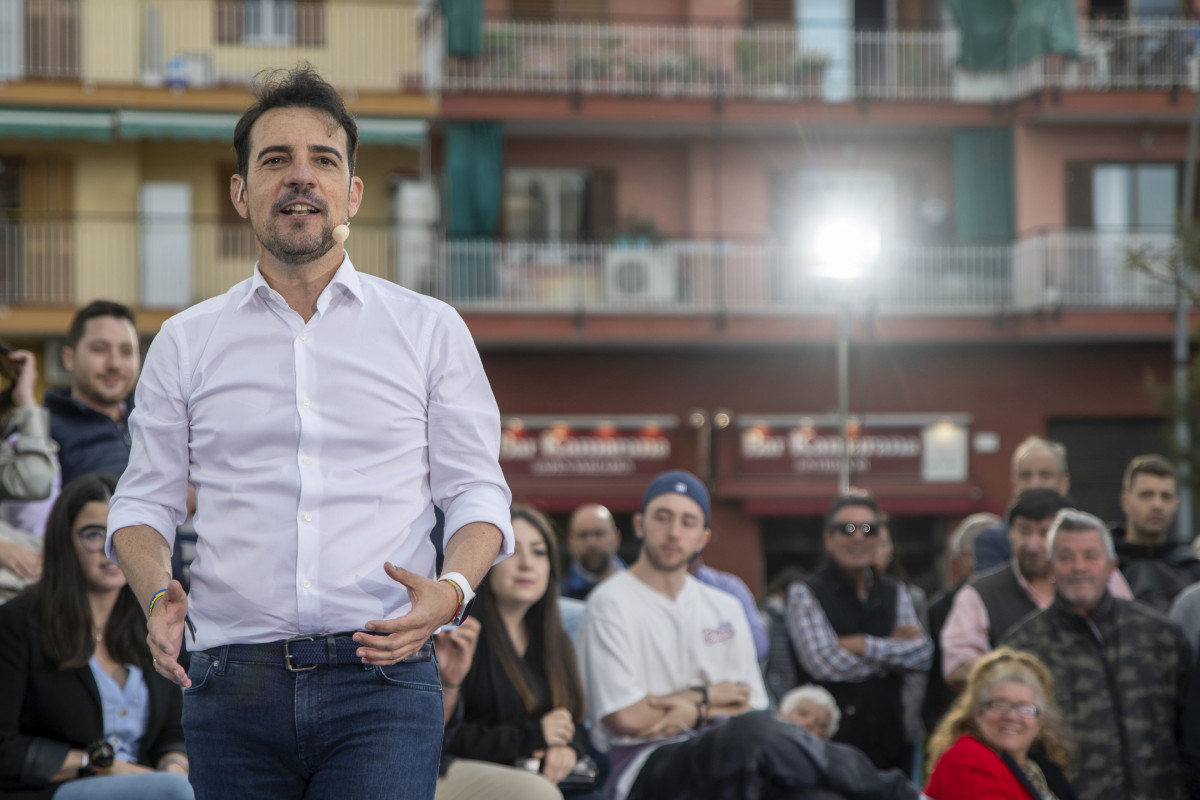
(673, 182)
(1041, 154)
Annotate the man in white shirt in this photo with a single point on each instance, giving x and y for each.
(333, 424)
(674, 690)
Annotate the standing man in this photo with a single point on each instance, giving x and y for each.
(324, 417)
(1156, 568)
(674, 691)
(992, 603)
(1120, 671)
(88, 420)
(592, 540)
(1037, 463)
(856, 633)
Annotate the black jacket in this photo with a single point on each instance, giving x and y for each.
(89, 443)
(491, 722)
(46, 711)
(1156, 573)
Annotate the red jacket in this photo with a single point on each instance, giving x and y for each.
(970, 770)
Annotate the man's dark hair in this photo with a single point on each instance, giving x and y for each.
(851, 498)
(1036, 504)
(301, 87)
(1151, 464)
(94, 309)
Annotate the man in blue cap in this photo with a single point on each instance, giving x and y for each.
(674, 691)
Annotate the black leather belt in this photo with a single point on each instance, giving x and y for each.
(307, 652)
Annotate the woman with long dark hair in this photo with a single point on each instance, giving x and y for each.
(83, 714)
(522, 699)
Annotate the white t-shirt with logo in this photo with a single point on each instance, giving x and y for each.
(635, 641)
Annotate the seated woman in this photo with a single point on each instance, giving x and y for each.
(83, 714)
(1003, 737)
(522, 700)
(27, 465)
(813, 708)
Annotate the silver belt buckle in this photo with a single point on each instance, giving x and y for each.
(287, 654)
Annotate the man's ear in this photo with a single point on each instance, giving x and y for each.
(67, 354)
(237, 193)
(1125, 503)
(637, 526)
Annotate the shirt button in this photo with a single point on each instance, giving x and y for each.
(304, 337)
(306, 584)
(308, 462)
(121, 712)
(307, 401)
(307, 517)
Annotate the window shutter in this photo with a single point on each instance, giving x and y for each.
(600, 220)
(229, 21)
(310, 23)
(531, 9)
(1079, 195)
(771, 11)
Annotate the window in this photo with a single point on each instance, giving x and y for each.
(271, 22)
(559, 205)
(1123, 198)
(558, 9)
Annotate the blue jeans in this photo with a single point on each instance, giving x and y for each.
(143, 786)
(256, 730)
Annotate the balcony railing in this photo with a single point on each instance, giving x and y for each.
(703, 60)
(172, 263)
(821, 63)
(355, 44)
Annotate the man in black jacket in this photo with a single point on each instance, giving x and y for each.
(88, 419)
(1156, 568)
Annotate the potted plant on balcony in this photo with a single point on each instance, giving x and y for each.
(810, 69)
(502, 54)
(768, 67)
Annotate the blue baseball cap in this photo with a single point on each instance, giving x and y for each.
(678, 481)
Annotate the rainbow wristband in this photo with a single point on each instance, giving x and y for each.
(187, 617)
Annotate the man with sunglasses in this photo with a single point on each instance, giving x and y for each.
(1120, 670)
(856, 633)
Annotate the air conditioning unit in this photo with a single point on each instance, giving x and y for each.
(641, 275)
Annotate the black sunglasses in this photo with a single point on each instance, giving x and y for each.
(851, 528)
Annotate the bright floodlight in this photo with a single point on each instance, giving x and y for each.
(844, 248)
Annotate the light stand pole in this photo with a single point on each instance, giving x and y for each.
(843, 393)
(844, 249)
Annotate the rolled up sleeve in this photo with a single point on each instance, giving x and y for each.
(464, 435)
(153, 489)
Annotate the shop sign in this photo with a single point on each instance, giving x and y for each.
(927, 448)
(593, 447)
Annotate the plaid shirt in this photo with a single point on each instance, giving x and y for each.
(816, 644)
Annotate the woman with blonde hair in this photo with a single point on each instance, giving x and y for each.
(1003, 737)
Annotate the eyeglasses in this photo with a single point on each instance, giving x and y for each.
(92, 537)
(850, 528)
(1002, 707)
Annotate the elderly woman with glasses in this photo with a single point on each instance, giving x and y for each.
(83, 714)
(1003, 737)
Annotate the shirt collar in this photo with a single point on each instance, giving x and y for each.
(345, 279)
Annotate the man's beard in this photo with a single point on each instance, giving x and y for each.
(294, 251)
(1032, 566)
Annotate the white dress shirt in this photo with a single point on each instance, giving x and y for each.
(318, 451)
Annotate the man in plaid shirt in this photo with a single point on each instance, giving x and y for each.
(855, 633)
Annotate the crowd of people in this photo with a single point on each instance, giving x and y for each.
(365, 588)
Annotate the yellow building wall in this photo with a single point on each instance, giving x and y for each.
(368, 44)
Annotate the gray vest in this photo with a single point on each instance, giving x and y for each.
(1005, 600)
